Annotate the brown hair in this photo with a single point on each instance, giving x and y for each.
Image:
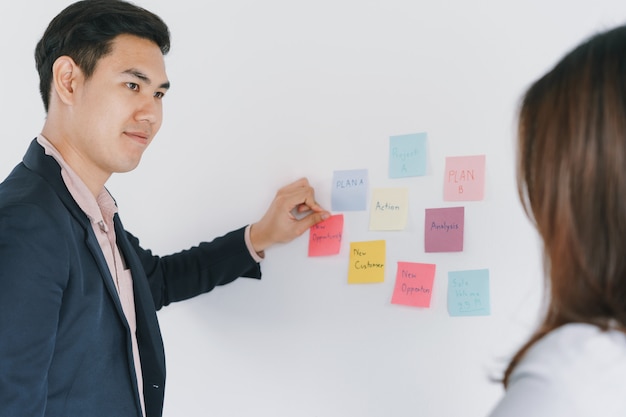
(571, 177)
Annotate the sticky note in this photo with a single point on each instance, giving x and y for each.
(367, 262)
(468, 293)
(414, 284)
(325, 236)
(349, 190)
(443, 229)
(407, 155)
(389, 209)
(464, 178)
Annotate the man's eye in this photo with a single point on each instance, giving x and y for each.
(159, 94)
(133, 86)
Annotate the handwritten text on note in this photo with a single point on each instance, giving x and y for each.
(464, 178)
(414, 284)
(349, 190)
(407, 155)
(325, 237)
(443, 229)
(367, 262)
(468, 293)
(389, 209)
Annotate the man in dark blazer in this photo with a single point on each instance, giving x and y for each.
(79, 335)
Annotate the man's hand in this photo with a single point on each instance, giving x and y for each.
(293, 211)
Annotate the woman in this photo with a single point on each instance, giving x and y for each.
(572, 183)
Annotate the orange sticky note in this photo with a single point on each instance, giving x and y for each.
(414, 284)
(325, 237)
(464, 178)
(367, 262)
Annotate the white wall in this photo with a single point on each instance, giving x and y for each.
(266, 92)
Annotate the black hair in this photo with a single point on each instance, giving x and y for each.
(84, 31)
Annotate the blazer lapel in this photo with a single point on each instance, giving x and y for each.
(93, 245)
(48, 168)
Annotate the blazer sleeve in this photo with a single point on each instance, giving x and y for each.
(30, 302)
(196, 270)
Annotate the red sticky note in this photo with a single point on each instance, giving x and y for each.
(464, 178)
(443, 229)
(414, 284)
(325, 237)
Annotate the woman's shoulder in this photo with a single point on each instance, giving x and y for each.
(580, 346)
(580, 364)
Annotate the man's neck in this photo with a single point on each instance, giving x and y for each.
(76, 161)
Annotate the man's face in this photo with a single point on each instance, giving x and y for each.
(118, 110)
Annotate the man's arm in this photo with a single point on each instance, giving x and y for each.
(196, 270)
(201, 268)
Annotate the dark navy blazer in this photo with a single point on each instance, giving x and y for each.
(65, 345)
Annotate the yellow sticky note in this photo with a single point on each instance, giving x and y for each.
(367, 262)
(389, 209)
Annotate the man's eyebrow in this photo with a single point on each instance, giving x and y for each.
(143, 77)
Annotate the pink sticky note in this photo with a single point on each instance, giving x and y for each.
(443, 229)
(464, 178)
(325, 237)
(414, 284)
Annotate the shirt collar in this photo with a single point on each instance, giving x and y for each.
(97, 209)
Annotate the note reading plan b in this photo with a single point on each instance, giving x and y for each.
(464, 178)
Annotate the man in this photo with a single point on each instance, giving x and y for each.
(78, 295)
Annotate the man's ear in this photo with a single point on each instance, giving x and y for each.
(65, 77)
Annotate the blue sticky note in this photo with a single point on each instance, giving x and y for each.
(349, 190)
(468, 293)
(407, 155)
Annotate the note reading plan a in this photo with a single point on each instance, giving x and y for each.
(349, 190)
(414, 284)
(389, 209)
(468, 293)
(464, 178)
(407, 155)
(325, 237)
(367, 262)
(443, 229)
